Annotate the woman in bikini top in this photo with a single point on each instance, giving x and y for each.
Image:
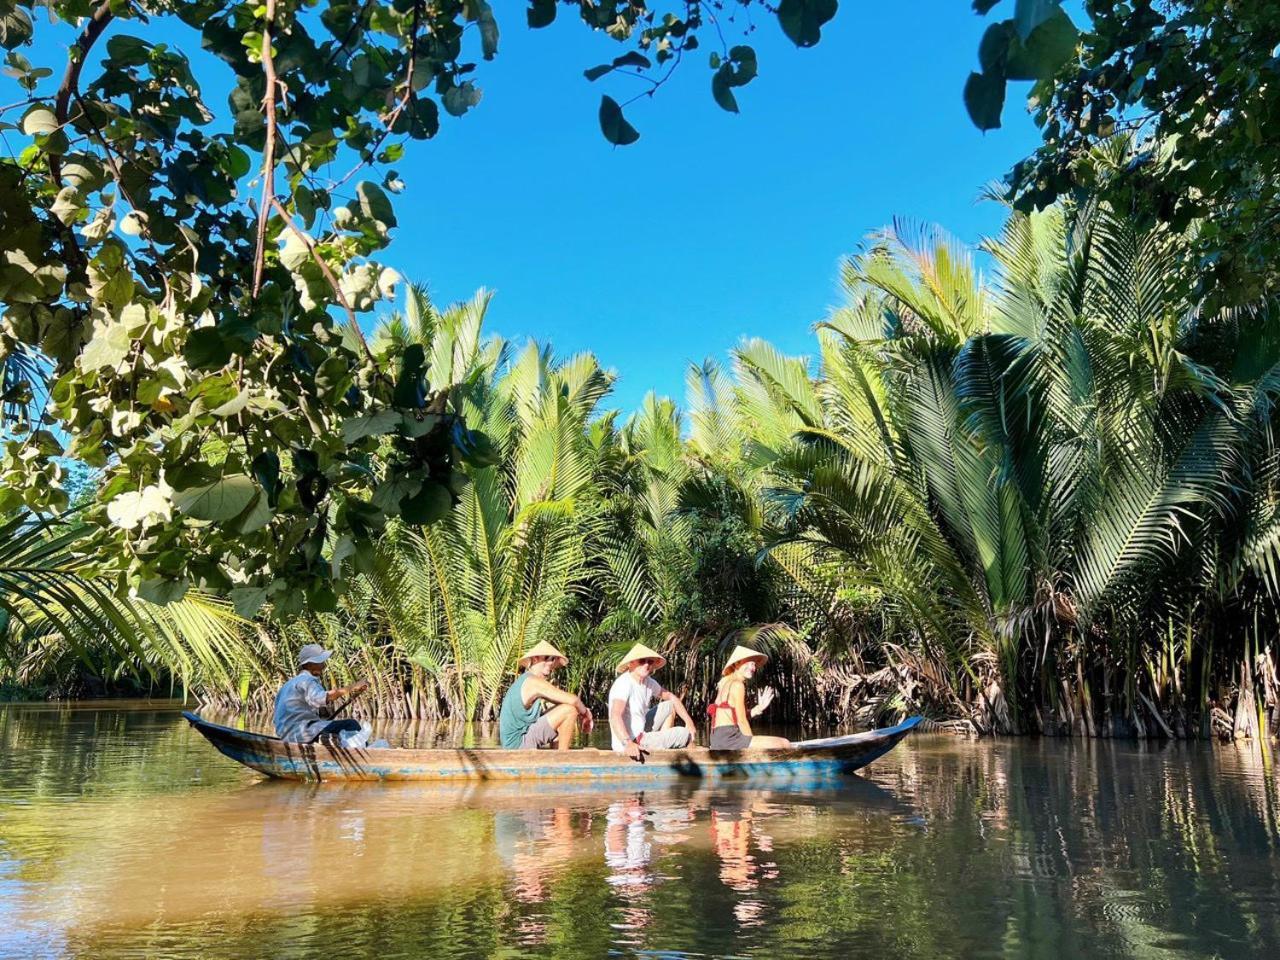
(730, 718)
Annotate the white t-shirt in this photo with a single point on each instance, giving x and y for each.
(637, 697)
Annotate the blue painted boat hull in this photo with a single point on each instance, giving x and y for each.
(319, 763)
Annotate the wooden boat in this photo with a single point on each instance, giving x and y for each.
(297, 761)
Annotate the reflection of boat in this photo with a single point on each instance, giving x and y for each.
(298, 761)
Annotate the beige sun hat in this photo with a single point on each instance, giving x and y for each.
(640, 652)
(543, 649)
(313, 653)
(740, 655)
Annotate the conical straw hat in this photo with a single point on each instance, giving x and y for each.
(543, 649)
(741, 654)
(640, 652)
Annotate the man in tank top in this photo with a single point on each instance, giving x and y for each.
(522, 724)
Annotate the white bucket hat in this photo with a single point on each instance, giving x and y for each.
(313, 653)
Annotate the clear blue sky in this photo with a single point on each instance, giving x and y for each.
(711, 228)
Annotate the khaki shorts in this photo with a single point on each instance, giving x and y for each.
(541, 734)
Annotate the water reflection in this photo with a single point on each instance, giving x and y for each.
(122, 836)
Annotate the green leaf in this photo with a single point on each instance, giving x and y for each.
(39, 120)
(984, 99)
(721, 89)
(595, 73)
(206, 349)
(128, 51)
(614, 125)
(255, 516)
(411, 388)
(232, 406)
(393, 490)
(356, 429)
(1029, 14)
(541, 13)
(488, 29)
(993, 51)
(802, 20)
(221, 500)
(982, 6)
(375, 204)
(247, 600)
(266, 470)
(345, 547)
(428, 505)
(1051, 45)
(108, 348)
(15, 28)
(161, 592)
(461, 98)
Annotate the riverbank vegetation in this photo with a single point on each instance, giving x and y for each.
(1030, 488)
(1041, 498)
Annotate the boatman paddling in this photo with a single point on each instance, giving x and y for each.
(300, 700)
(641, 713)
(522, 724)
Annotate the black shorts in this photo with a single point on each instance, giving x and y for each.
(729, 737)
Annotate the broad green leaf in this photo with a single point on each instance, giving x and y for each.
(721, 89)
(1050, 46)
(390, 492)
(247, 600)
(1029, 14)
(461, 98)
(233, 406)
(161, 592)
(140, 508)
(614, 125)
(984, 99)
(39, 120)
(375, 204)
(206, 349)
(374, 424)
(221, 500)
(15, 28)
(108, 348)
(802, 20)
(541, 13)
(428, 505)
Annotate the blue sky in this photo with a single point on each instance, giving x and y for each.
(713, 227)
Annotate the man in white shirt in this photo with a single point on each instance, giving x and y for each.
(637, 728)
(300, 700)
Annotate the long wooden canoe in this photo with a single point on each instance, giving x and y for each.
(297, 761)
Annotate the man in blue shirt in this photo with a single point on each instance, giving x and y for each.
(300, 700)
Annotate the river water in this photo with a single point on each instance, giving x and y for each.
(123, 834)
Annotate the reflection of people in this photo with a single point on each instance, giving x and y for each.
(533, 843)
(730, 718)
(731, 836)
(521, 723)
(635, 726)
(300, 700)
(627, 851)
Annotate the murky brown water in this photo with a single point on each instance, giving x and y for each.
(122, 834)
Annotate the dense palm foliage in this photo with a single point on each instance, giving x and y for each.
(1059, 488)
(1043, 500)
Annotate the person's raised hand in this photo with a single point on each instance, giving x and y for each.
(763, 701)
(359, 687)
